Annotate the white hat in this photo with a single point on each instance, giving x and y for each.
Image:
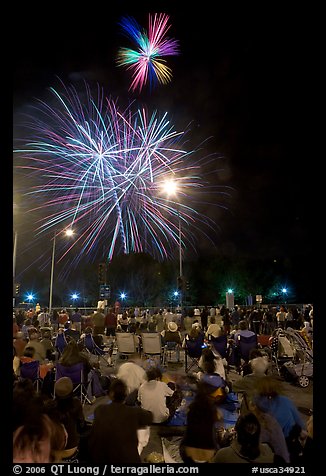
(172, 326)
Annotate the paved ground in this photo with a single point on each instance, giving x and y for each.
(302, 397)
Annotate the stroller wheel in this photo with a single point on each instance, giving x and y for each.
(303, 381)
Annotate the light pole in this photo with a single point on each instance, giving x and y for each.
(68, 232)
(171, 188)
(14, 266)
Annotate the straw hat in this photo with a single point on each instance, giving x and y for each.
(172, 326)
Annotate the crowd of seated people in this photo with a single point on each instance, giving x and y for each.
(269, 428)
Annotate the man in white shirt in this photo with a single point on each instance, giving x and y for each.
(153, 394)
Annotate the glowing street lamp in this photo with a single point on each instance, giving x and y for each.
(171, 188)
(284, 292)
(30, 297)
(68, 232)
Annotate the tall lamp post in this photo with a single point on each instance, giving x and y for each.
(14, 266)
(68, 232)
(171, 188)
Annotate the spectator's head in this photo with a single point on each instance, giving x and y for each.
(63, 387)
(172, 326)
(32, 333)
(29, 352)
(194, 332)
(247, 429)
(118, 391)
(259, 365)
(153, 373)
(243, 325)
(32, 443)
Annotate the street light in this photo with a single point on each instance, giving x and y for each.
(14, 257)
(171, 188)
(68, 232)
(14, 265)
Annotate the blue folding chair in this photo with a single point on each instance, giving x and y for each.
(92, 348)
(76, 374)
(220, 344)
(244, 346)
(31, 371)
(60, 343)
(193, 351)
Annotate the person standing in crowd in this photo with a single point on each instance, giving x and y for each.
(204, 318)
(44, 318)
(76, 319)
(281, 317)
(98, 322)
(110, 322)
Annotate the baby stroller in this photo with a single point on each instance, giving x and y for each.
(292, 356)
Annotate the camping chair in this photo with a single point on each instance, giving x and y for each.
(60, 343)
(92, 348)
(169, 349)
(220, 344)
(193, 351)
(152, 345)
(243, 347)
(76, 374)
(126, 344)
(31, 371)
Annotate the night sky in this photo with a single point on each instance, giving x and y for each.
(239, 82)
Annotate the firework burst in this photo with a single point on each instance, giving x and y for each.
(145, 62)
(101, 171)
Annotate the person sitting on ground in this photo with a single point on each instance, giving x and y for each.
(245, 448)
(307, 452)
(199, 442)
(247, 367)
(268, 398)
(158, 397)
(133, 375)
(271, 432)
(248, 383)
(210, 362)
(117, 424)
